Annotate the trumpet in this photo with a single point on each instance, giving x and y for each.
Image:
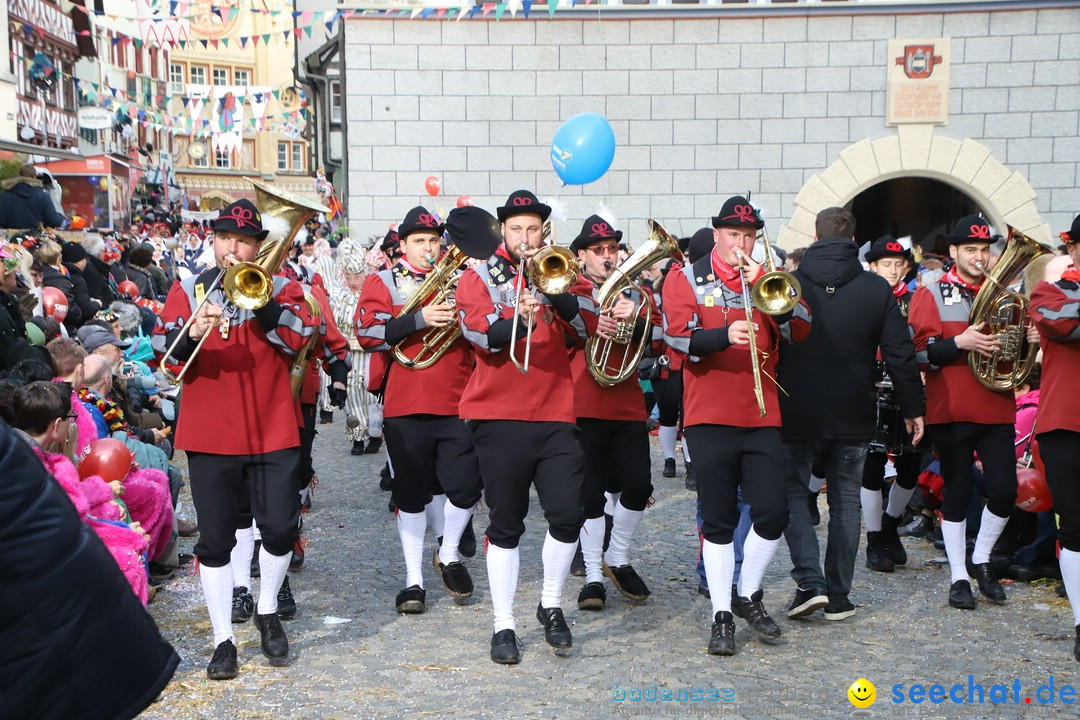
(748, 305)
(249, 285)
(598, 350)
(552, 270)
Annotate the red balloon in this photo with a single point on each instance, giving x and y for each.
(107, 458)
(55, 303)
(432, 185)
(1032, 494)
(128, 288)
(464, 200)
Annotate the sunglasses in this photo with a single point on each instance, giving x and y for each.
(604, 249)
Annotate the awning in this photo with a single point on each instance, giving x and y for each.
(93, 165)
(38, 150)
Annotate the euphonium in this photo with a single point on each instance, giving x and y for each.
(1005, 315)
(598, 350)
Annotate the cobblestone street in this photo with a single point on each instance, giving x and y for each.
(355, 657)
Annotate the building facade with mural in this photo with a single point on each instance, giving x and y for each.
(911, 113)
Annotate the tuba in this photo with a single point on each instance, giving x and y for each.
(598, 350)
(1005, 315)
(250, 285)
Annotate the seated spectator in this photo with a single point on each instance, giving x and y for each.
(53, 274)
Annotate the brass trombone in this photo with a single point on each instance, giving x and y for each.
(777, 291)
(552, 270)
(749, 305)
(250, 285)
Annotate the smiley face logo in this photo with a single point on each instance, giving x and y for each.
(862, 693)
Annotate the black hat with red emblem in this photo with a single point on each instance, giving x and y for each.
(971, 229)
(419, 220)
(887, 246)
(595, 229)
(738, 212)
(1074, 232)
(240, 217)
(522, 202)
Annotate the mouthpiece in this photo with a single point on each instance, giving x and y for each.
(608, 265)
(352, 422)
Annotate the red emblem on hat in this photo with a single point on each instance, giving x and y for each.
(601, 230)
(919, 61)
(981, 232)
(426, 220)
(893, 246)
(241, 216)
(523, 200)
(743, 213)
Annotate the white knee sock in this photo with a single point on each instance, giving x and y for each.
(719, 563)
(557, 558)
(454, 521)
(436, 514)
(272, 569)
(898, 499)
(1070, 575)
(610, 500)
(592, 546)
(685, 450)
(622, 532)
(990, 528)
(871, 509)
(411, 528)
(502, 568)
(240, 560)
(757, 554)
(955, 536)
(667, 440)
(217, 584)
(815, 483)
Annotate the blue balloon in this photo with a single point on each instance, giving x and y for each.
(582, 149)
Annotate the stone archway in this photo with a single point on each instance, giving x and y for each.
(919, 151)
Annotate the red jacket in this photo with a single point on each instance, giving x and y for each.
(718, 388)
(435, 390)
(1054, 310)
(236, 397)
(938, 313)
(497, 390)
(624, 401)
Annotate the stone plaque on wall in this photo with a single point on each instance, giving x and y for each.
(917, 88)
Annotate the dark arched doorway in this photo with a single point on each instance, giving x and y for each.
(920, 207)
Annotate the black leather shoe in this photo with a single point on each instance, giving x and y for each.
(918, 527)
(357, 447)
(504, 648)
(255, 560)
(243, 605)
(386, 482)
(890, 536)
(876, 557)
(669, 467)
(627, 581)
(455, 578)
(577, 565)
(753, 611)
(223, 664)
(326, 418)
(556, 631)
(411, 600)
(286, 603)
(960, 595)
(806, 603)
(297, 560)
(703, 589)
(592, 597)
(373, 445)
(467, 544)
(691, 477)
(722, 639)
(275, 645)
(988, 585)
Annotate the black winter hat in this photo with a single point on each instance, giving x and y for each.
(390, 241)
(972, 228)
(419, 220)
(701, 244)
(240, 217)
(474, 231)
(72, 252)
(886, 246)
(521, 202)
(738, 212)
(595, 229)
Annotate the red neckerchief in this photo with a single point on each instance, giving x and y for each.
(413, 270)
(1072, 274)
(954, 278)
(505, 255)
(725, 273)
(900, 290)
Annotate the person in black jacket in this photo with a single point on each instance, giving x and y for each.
(24, 204)
(48, 255)
(98, 271)
(829, 407)
(14, 344)
(75, 260)
(78, 643)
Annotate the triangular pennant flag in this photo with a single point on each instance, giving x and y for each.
(255, 40)
(526, 5)
(298, 30)
(305, 17)
(204, 42)
(426, 12)
(499, 10)
(552, 4)
(243, 41)
(266, 38)
(225, 41)
(440, 12)
(214, 42)
(489, 6)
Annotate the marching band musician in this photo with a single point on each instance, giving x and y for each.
(425, 438)
(613, 431)
(963, 417)
(524, 423)
(888, 258)
(1054, 311)
(734, 446)
(239, 427)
